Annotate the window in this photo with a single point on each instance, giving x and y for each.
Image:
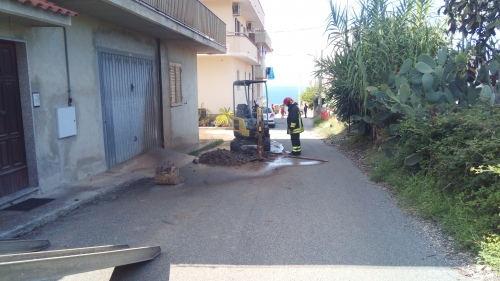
(175, 70)
(237, 26)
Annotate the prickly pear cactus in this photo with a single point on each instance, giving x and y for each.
(448, 78)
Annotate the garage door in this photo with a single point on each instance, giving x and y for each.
(128, 106)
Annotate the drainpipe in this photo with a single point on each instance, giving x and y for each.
(70, 100)
(160, 89)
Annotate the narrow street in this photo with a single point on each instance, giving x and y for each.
(260, 221)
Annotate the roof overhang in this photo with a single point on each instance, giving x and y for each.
(143, 19)
(13, 11)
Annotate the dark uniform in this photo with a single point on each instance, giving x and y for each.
(295, 127)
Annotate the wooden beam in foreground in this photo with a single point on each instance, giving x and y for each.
(56, 267)
(22, 246)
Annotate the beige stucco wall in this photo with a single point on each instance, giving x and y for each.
(61, 162)
(224, 10)
(216, 75)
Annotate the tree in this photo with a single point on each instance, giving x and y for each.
(475, 19)
(308, 96)
(478, 21)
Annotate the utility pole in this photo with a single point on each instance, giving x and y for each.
(319, 89)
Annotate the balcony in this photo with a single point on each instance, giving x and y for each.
(194, 14)
(185, 22)
(240, 46)
(253, 12)
(262, 38)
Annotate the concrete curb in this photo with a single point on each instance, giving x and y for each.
(53, 215)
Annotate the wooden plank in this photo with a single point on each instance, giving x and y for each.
(59, 253)
(57, 267)
(22, 246)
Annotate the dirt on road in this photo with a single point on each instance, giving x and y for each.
(223, 157)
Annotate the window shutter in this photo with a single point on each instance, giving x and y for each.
(175, 70)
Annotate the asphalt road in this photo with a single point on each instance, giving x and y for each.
(290, 220)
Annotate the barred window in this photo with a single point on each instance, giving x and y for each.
(175, 70)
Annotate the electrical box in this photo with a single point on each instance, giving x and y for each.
(66, 122)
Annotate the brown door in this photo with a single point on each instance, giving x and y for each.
(13, 170)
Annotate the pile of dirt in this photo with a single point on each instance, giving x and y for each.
(223, 157)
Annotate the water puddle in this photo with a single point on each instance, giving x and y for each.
(282, 160)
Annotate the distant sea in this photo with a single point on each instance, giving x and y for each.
(278, 93)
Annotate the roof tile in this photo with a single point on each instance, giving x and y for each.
(46, 5)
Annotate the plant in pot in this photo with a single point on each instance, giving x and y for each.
(203, 113)
(203, 122)
(224, 118)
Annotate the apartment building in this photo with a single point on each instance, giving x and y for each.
(247, 45)
(86, 85)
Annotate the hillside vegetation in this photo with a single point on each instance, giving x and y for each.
(430, 105)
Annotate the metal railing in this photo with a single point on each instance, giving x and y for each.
(194, 15)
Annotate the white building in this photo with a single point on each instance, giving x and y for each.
(247, 45)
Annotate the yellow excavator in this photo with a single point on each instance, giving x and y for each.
(248, 124)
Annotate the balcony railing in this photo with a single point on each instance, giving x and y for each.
(193, 14)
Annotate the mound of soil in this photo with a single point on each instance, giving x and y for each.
(223, 157)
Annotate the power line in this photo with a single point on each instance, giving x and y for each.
(293, 30)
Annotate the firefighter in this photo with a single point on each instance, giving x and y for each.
(294, 125)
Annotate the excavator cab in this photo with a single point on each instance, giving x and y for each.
(248, 124)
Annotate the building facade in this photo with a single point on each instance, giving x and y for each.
(86, 85)
(247, 45)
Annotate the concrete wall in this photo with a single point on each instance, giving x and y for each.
(61, 162)
(181, 122)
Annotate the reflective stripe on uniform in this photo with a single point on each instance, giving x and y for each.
(297, 148)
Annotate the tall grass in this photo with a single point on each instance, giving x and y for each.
(371, 44)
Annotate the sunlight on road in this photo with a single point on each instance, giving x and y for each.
(206, 272)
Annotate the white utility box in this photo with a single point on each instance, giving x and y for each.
(66, 122)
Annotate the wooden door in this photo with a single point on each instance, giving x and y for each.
(13, 169)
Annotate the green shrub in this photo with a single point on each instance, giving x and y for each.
(224, 118)
(490, 252)
(450, 141)
(456, 180)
